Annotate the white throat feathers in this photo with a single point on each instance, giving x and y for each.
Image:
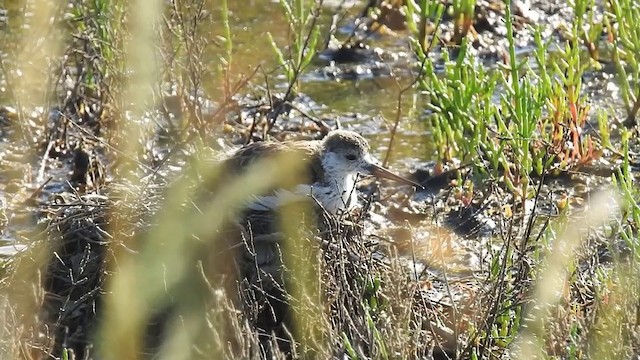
(337, 190)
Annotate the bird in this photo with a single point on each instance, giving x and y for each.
(333, 167)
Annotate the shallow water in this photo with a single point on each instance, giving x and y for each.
(367, 104)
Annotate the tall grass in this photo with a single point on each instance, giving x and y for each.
(163, 247)
(36, 49)
(625, 41)
(535, 131)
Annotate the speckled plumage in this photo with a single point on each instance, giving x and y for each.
(333, 167)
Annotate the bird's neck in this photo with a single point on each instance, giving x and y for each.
(337, 194)
(335, 190)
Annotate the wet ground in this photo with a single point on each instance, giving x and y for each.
(354, 89)
(362, 93)
(359, 89)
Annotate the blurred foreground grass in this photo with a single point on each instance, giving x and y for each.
(133, 248)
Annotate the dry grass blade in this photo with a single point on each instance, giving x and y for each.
(156, 269)
(554, 279)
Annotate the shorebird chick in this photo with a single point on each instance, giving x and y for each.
(333, 165)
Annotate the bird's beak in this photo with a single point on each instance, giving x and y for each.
(379, 171)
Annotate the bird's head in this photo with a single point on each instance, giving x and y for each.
(346, 153)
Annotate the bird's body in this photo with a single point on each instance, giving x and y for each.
(332, 168)
(330, 172)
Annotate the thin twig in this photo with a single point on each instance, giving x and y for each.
(273, 116)
(631, 115)
(401, 93)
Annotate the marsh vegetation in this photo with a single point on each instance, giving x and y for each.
(123, 237)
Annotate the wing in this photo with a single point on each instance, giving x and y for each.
(296, 190)
(244, 157)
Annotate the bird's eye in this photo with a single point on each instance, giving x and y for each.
(350, 157)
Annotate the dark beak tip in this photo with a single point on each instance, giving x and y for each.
(418, 186)
(380, 171)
